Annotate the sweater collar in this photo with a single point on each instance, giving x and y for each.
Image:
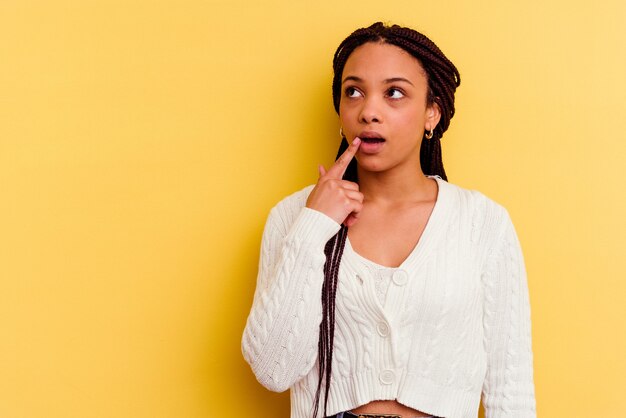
(431, 236)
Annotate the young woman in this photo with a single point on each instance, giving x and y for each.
(384, 290)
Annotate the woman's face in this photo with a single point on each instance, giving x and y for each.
(383, 102)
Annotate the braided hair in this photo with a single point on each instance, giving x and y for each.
(443, 79)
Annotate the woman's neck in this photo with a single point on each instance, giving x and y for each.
(396, 187)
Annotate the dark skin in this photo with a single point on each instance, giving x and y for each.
(384, 96)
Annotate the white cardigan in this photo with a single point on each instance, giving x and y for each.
(455, 322)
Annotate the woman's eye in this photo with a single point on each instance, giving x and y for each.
(352, 92)
(395, 94)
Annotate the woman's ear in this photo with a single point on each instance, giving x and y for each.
(433, 114)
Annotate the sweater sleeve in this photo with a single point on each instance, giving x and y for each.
(282, 331)
(508, 388)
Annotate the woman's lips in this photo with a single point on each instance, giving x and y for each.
(371, 145)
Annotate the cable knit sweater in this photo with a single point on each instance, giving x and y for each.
(455, 321)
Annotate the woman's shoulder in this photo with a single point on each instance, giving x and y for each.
(477, 197)
(296, 199)
(483, 209)
(288, 208)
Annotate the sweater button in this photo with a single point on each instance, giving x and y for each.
(382, 328)
(386, 377)
(400, 277)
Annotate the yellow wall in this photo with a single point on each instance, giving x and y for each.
(142, 144)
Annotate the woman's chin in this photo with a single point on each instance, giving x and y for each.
(372, 165)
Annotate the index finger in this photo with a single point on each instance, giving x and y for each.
(339, 168)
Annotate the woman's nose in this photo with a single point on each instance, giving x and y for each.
(370, 112)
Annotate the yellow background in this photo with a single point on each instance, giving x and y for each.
(142, 144)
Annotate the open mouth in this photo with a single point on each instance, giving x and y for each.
(374, 140)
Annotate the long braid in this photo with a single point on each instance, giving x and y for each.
(333, 251)
(443, 79)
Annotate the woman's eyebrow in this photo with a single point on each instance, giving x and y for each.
(387, 81)
(352, 78)
(396, 79)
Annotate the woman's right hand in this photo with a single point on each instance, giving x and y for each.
(338, 199)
